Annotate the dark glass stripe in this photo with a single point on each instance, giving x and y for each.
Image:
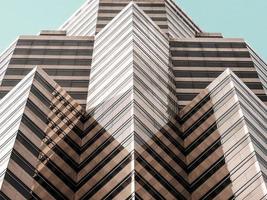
(41, 135)
(157, 141)
(186, 96)
(49, 163)
(27, 143)
(207, 174)
(50, 61)
(151, 4)
(193, 110)
(148, 187)
(119, 187)
(25, 165)
(59, 52)
(214, 53)
(136, 197)
(161, 161)
(215, 190)
(200, 139)
(198, 123)
(203, 156)
(20, 186)
(113, 4)
(101, 183)
(40, 96)
(37, 111)
(207, 63)
(33, 42)
(116, 150)
(196, 44)
(165, 183)
(17, 71)
(3, 196)
(191, 84)
(212, 74)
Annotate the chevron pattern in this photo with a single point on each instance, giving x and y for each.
(131, 100)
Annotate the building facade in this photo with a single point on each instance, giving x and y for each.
(132, 100)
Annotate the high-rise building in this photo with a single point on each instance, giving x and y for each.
(132, 100)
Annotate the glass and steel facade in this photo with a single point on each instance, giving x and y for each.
(132, 100)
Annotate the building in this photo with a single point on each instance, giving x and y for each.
(131, 100)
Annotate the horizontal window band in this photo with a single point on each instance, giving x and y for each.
(53, 42)
(207, 63)
(73, 83)
(68, 72)
(59, 52)
(212, 74)
(191, 84)
(194, 44)
(219, 54)
(202, 85)
(186, 96)
(17, 71)
(50, 61)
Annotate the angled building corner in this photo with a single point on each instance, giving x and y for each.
(132, 100)
(224, 130)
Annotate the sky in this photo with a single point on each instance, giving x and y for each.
(234, 18)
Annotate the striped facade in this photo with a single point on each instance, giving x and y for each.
(198, 61)
(40, 140)
(96, 14)
(224, 132)
(66, 59)
(83, 21)
(131, 100)
(4, 60)
(261, 68)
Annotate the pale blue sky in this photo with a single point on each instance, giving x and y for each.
(233, 18)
